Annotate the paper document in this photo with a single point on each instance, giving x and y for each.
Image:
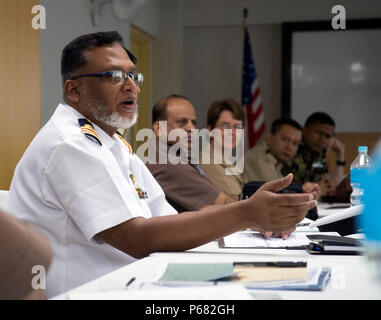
(340, 215)
(257, 240)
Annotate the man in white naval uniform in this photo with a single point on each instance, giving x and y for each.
(80, 184)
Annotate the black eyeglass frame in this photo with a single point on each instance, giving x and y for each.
(138, 78)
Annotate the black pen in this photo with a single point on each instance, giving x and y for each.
(281, 264)
(130, 281)
(297, 247)
(305, 224)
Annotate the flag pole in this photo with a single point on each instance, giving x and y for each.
(245, 13)
(246, 135)
(251, 98)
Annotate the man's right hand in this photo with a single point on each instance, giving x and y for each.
(274, 212)
(284, 234)
(265, 210)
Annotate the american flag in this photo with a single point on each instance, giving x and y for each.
(251, 98)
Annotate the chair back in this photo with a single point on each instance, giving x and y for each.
(3, 198)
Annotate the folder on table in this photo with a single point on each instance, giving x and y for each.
(337, 245)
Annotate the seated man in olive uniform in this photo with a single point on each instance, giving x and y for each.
(267, 159)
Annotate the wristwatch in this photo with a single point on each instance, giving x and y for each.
(340, 163)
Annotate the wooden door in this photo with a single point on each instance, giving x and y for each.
(351, 142)
(140, 45)
(20, 84)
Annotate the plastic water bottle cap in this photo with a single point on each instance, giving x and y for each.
(362, 149)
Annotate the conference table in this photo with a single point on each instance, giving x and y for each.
(351, 276)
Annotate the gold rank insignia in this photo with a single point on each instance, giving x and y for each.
(124, 141)
(89, 130)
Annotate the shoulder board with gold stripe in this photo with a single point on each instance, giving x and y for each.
(124, 141)
(89, 130)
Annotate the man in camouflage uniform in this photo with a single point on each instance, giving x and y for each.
(307, 165)
(310, 162)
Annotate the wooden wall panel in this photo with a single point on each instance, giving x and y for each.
(20, 84)
(140, 44)
(351, 142)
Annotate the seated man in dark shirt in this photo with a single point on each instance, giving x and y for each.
(185, 184)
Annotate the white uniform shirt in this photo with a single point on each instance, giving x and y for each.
(71, 188)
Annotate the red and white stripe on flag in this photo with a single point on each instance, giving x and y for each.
(251, 97)
(255, 120)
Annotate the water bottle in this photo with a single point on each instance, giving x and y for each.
(359, 169)
(370, 219)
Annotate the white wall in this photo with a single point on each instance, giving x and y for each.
(338, 73)
(167, 51)
(214, 66)
(68, 19)
(229, 12)
(212, 42)
(197, 46)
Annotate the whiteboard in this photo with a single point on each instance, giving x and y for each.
(337, 72)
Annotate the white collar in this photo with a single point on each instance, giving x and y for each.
(102, 135)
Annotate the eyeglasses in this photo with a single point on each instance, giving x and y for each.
(226, 125)
(116, 76)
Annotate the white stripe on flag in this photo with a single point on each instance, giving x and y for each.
(258, 122)
(256, 104)
(254, 86)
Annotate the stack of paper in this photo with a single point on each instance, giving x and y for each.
(316, 280)
(247, 273)
(253, 275)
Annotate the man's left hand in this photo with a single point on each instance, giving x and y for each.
(283, 234)
(313, 188)
(338, 148)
